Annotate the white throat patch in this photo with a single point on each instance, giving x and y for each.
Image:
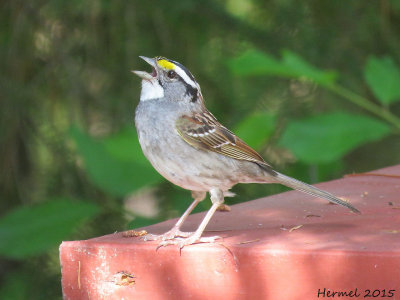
(151, 90)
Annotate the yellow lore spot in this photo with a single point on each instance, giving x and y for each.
(166, 64)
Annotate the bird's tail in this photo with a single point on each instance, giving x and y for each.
(311, 190)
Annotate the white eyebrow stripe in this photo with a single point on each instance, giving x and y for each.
(184, 76)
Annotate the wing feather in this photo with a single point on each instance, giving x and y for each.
(202, 130)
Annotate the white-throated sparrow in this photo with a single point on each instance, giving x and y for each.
(188, 146)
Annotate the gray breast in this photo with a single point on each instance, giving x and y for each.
(176, 160)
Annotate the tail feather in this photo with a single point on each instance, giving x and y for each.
(312, 190)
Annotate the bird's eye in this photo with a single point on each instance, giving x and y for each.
(171, 74)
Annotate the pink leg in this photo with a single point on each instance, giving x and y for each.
(175, 231)
(217, 198)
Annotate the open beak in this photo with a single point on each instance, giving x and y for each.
(145, 75)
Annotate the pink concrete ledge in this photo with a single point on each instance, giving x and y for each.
(287, 246)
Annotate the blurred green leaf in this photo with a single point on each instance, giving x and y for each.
(256, 129)
(300, 68)
(325, 138)
(30, 230)
(179, 200)
(254, 62)
(125, 146)
(115, 164)
(383, 77)
(140, 221)
(16, 286)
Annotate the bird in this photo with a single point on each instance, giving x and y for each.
(187, 145)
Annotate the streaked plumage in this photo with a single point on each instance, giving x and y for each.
(189, 147)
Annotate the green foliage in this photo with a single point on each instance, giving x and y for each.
(337, 133)
(301, 68)
(383, 77)
(253, 62)
(115, 164)
(68, 62)
(328, 137)
(31, 230)
(140, 221)
(256, 63)
(256, 129)
(16, 286)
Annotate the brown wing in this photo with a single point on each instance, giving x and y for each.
(202, 130)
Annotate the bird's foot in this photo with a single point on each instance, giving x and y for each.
(169, 235)
(185, 241)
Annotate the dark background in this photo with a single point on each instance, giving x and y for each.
(312, 85)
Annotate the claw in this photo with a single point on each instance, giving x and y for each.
(150, 237)
(190, 240)
(169, 235)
